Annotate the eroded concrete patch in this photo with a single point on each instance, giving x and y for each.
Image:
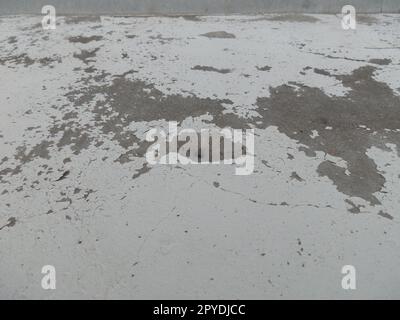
(367, 19)
(382, 62)
(294, 18)
(211, 69)
(25, 60)
(219, 35)
(264, 68)
(347, 127)
(82, 19)
(11, 223)
(84, 39)
(86, 55)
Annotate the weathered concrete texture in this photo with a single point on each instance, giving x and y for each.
(77, 192)
(391, 6)
(196, 7)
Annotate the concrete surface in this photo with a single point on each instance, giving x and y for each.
(76, 191)
(196, 6)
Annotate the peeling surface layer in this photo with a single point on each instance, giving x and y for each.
(76, 191)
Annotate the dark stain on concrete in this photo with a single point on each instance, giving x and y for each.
(293, 18)
(129, 101)
(73, 135)
(385, 215)
(126, 101)
(265, 68)
(298, 111)
(219, 35)
(295, 176)
(308, 152)
(87, 194)
(12, 40)
(49, 61)
(322, 72)
(86, 55)
(295, 111)
(83, 39)
(11, 223)
(4, 160)
(82, 19)
(23, 156)
(132, 153)
(367, 19)
(161, 39)
(354, 208)
(144, 169)
(9, 172)
(188, 17)
(382, 62)
(63, 176)
(90, 69)
(25, 60)
(41, 150)
(337, 57)
(70, 115)
(65, 199)
(211, 69)
(32, 27)
(192, 18)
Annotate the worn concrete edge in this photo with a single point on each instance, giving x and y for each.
(203, 7)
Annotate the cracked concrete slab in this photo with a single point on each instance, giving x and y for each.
(77, 192)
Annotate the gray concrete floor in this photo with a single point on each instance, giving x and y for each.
(76, 191)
